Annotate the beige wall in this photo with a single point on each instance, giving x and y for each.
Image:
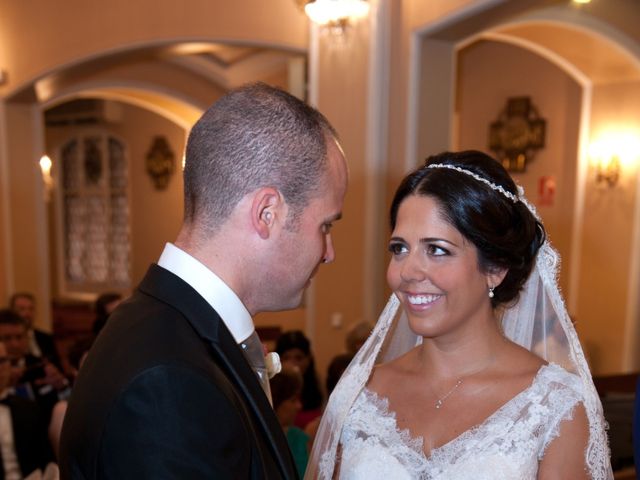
(155, 215)
(40, 36)
(607, 238)
(5, 275)
(27, 219)
(41, 39)
(409, 136)
(339, 287)
(482, 96)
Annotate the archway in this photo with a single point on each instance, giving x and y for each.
(548, 32)
(174, 79)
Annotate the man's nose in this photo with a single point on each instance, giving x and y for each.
(329, 252)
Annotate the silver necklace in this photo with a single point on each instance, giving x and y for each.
(441, 400)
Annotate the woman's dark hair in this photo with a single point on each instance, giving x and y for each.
(100, 308)
(285, 385)
(311, 394)
(505, 233)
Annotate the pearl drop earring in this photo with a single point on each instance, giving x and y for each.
(491, 292)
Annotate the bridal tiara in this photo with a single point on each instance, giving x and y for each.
(497, 188)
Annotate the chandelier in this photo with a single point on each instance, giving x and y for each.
(335, 13)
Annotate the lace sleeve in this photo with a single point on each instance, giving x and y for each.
(563, 397)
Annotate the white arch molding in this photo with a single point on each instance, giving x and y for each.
(168, 104)
(164, 44)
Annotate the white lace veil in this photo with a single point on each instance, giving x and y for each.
(539, 321)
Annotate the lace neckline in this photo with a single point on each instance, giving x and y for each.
(417, 443)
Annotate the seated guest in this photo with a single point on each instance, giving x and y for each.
(76, 355)
(40, 343)
(104, 305)
(286, 387)
(23, 440)
(355, 338)
(294, 349)
(31, 376)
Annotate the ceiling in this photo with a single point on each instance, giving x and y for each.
(597, 58)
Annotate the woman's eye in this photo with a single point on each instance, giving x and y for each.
(397, 248)
(436, 250)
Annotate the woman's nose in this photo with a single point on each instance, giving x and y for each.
(412, 270)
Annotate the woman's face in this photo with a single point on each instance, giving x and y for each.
(296, 359)
(434, 271)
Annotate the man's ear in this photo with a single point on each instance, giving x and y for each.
(267, 209)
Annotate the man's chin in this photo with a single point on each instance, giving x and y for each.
(287, 304)
(294, 303)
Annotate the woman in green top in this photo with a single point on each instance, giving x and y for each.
(286, 388)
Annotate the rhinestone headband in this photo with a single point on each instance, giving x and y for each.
(497, 188)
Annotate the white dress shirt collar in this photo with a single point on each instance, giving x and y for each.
(34, 348)
(9, 460)
(211, 287)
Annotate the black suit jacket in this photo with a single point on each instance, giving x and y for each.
(166, 393)
(31, 442)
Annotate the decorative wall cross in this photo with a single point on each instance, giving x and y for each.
(517, 134)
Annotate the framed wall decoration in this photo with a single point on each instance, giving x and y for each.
(160, 162)
(517, 134)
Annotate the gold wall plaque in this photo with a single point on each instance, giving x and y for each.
(160, 162)
(517, 134)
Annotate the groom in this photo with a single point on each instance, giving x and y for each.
(166, 391)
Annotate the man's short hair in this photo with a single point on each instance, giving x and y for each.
(17, 295)
(9, 317)
(255, 136)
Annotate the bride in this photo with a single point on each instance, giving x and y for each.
(449, 388)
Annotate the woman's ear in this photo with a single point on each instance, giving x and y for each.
(495, 276)
(266, 209)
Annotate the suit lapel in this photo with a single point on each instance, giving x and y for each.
(171, 289)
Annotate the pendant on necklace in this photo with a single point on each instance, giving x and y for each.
(440, 401)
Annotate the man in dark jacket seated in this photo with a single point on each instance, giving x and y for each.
(39, 343)
(31, 377)
(24, 444)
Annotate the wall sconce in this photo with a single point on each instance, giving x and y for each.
(335, 15)
(608, 170)
(613, 156)
(47, 179)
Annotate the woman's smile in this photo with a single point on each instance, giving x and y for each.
(420, 302)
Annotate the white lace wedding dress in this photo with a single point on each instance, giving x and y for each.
(507, 445)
